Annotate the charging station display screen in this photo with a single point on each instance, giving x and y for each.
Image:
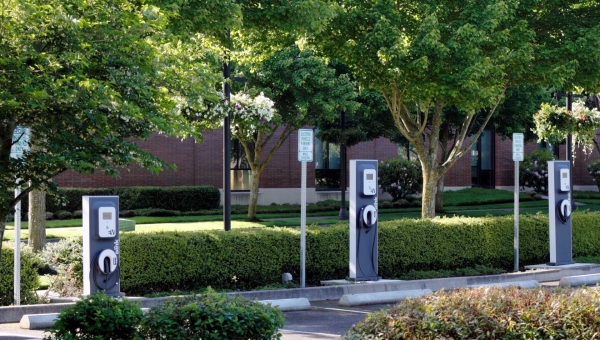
(107, 216)
(369, 177)
(565, 175)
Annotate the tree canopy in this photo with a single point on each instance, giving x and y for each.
(424, 56)
(86, 77)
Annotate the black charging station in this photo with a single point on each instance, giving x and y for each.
(101, 259)
(363, 220)
(559, 212)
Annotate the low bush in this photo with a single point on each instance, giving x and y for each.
(400, 177)
(248, 258)
(98, 317)
(30, 264)
(212, 316)
(65, 256)
(487, 313)
(64, 215)
(533, 170)
(190, 198)
(594, 171)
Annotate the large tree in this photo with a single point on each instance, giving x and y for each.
(425, 56)
(88, 78)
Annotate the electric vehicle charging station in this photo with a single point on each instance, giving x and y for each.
(559, 212)
(101, 259)
(363, 220)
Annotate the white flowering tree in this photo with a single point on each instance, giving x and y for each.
(293, 88)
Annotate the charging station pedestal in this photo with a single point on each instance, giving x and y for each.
(559, 212)
(363, 220)
(101, 259)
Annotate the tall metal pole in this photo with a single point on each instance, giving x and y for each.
(343, 215)
(303, 227)
(570, 148)
(516, 218)
(17, 259)
(227, 149)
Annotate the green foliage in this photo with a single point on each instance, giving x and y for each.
(400, 177)
(66, 258)
(594, 171)
(533, 170)
(212, 316)
(487, 313)
(29, 276)
(98, 317)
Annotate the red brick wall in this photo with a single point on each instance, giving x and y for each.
(202, 164)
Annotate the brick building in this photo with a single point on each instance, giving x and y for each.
(489, 164)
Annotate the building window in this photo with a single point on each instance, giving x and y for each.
(407, 151)
(240, 169)
(327, 165)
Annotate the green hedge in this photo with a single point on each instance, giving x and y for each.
(29, 276)
(192, 198)
(243, 259)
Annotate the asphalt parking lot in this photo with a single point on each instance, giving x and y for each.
(325, 320)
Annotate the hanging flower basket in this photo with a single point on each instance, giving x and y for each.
(554, 123)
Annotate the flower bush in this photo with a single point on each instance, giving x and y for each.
(487, 313)
(400, 177)
(533, 170)
(594, 171)
(553, 123)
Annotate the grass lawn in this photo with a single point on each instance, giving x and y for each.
(472, 202)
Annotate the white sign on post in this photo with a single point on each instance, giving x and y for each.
(305, 154)
(20, 140)
(305, 145)
(518, 147)
(518, 151)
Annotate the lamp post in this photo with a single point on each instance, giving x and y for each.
(343, 215)
(227, 148)
(227, 143)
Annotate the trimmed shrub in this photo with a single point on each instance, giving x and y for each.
(487, 313)
(533, 170)
(212, 316)
(30, 264)
(130, 198)
(98, 317)
(49, 216)
(247, 258)
(400, 177)
(64, 215)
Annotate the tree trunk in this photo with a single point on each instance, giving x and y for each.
(430, 182)
(439, 196)
(2, 228)
(253, 203)
(37, 219)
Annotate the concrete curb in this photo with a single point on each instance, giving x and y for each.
(520, 284)
(38, 321)
(288, 305)
(579, 280)
(13, 314)
(350, 300)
